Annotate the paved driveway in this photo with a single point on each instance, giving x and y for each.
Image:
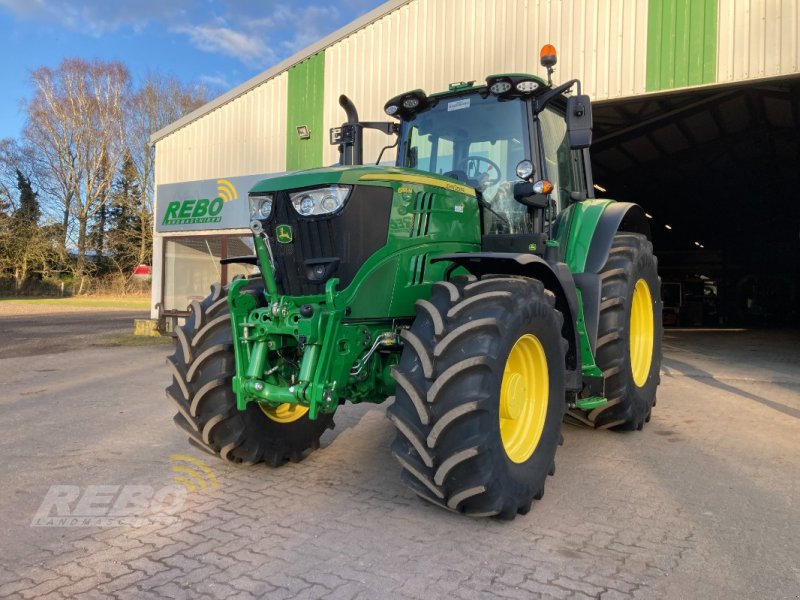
(702, 504)
(42, 333)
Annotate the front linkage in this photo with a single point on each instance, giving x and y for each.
(304, 354)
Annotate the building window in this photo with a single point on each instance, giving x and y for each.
(191, 266)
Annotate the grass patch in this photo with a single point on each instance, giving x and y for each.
(83, 302)
(128, 339)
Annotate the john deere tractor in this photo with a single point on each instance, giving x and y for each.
(477, 285)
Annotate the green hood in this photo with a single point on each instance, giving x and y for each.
(351, 175)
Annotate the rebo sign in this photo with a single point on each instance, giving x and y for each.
(204, 205)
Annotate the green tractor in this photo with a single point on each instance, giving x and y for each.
(477, 285)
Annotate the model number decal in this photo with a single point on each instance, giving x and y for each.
(457, 104)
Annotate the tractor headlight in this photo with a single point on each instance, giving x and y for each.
(527, 86)
(260, 206)
(499, 87)
(320, 201)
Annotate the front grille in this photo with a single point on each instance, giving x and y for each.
(352, 236)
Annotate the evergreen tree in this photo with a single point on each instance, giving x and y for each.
(28, 210)
(124, 221)
(97, 236)
(27, 248)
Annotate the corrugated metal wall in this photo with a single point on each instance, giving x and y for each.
(242, 137)
(757, 38)
(431, 43)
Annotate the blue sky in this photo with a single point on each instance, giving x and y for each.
(219, 43)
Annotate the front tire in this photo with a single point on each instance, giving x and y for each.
(480, 396)
(629, 334)
(203, 367)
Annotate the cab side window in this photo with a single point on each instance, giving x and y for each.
(563, 166)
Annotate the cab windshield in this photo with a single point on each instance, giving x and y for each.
(479, 141)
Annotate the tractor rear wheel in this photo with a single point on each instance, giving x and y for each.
(203, 367)
(629, 333)
(480, 396)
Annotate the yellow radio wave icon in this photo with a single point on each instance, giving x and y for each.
(226, 190)
(195, 476)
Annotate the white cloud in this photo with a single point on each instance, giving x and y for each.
(248, 48)
(256, 32)
(299, 26)
(97, 17)
(261, 35)
(215, 81)
(24, 8)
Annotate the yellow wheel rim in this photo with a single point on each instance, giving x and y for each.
(285, 413)
(641, 333)
(523, 398)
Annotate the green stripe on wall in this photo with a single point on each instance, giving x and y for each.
(681, 43)
(305, 103)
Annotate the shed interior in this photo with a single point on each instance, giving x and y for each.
(717, 169)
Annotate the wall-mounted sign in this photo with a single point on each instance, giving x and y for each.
(207, 204)
(302, 132)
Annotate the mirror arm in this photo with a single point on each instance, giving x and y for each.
(542, 100)
(385, 126)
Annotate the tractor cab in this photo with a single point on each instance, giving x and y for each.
(519, 142)
(509, 140)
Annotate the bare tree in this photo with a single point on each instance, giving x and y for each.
(76, 125)
(158, 101)
(8, 171)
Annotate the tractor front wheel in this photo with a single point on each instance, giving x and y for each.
(203, 367)
(629, 333)
(480, 396)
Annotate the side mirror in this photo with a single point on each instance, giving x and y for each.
(579, 121)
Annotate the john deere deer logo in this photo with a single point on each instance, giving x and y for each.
(284, 234)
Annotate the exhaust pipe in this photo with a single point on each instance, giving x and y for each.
(351, 150)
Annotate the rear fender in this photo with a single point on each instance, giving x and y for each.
(556, 277)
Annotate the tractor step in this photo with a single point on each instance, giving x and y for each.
(591, 402)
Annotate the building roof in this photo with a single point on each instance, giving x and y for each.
(240, 90)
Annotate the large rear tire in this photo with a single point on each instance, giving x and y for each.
(480, 396)
(629, 334)
(203, 367)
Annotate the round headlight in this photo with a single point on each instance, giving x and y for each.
(306, 206)
(329, 203)
(412, 102)
(391, 109)
(524, 169)
(264, 208)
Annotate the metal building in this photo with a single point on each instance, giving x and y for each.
(696, 118)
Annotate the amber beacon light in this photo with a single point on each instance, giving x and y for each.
(548, 59)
